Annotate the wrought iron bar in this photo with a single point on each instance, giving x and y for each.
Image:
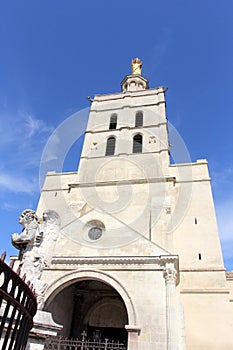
(18, 306)
(59, 343)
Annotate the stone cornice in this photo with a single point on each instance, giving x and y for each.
(204, 291)
(91, 131)
(124, 182)
(127, 154)
(121, 95)
(116, 260)
(118, 108)
(229, 275)
(210, 269)
(197, 163)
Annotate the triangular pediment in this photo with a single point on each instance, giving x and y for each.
(109, 236)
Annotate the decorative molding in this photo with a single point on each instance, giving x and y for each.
(214, 269)
(56, 189)
(116, 260)
(127, 154)
(229, 275)
(204, 291)
(124, 182)
(170, 275)
(114, 109)
(112, 183)
(120, 95)
(133, 127)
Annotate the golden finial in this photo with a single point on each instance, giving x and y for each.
(136, 66)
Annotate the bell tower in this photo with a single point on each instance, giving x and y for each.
(127, 136)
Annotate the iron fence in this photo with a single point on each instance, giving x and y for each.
(17, 308)
(59, 343)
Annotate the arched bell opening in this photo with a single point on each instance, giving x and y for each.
(90, 308)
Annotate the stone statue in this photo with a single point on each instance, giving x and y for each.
(136, 66)
(50, 229)
(28, 241)
(29, 221)
(36, 245)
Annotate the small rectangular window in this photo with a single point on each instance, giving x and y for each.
(139, 119)
(137, 143)
(110, 148)
(113, 122)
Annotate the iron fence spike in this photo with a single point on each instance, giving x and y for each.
(3, 256)
(12, 264)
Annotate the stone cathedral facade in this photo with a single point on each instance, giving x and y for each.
(129, 243)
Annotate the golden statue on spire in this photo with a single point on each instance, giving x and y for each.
(136, 66)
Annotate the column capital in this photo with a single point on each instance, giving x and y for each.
(170, 274)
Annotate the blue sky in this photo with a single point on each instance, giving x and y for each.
(56, 53)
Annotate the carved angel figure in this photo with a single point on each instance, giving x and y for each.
(50, 229)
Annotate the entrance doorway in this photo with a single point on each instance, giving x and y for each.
(92, 307)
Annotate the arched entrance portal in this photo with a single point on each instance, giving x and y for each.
(92, 307)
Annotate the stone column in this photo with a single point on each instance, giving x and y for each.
(133, 333)
(171, 308)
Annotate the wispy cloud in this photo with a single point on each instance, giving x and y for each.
(15, 129)
(22, 139)
(52, 148)
(9, 206)
(35, 126)
(18, 184)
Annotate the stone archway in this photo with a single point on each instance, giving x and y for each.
(70, 278)
(91, 306)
